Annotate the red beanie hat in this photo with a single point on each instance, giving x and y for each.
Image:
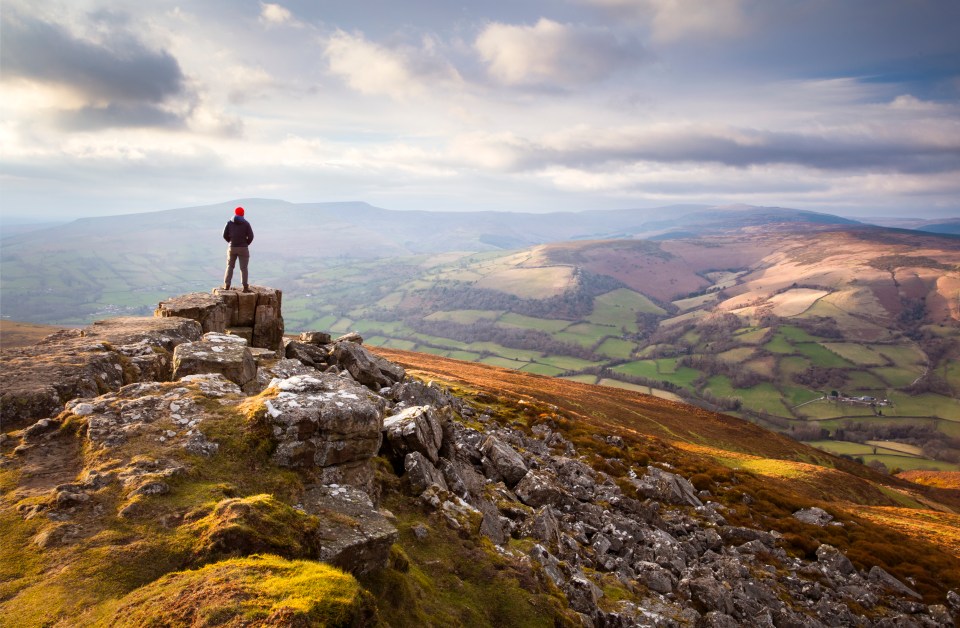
(238, 211)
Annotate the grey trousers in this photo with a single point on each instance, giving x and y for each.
(233, 254)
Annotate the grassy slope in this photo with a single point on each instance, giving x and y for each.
(779, 473)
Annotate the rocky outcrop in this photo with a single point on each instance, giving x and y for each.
(87, 362)
(255, 315)
(679, 551)
(327, 424)
(368, 369)
(315, 349)
(358, 538)
(216, 353)
(414, 429)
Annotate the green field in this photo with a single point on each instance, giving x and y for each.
(542, 369)
(951, 373)
(904, 356)
(778, 344)
(467, 356)
(927, 404)
(439, 341)
(865, 382)
(859, 354)
(895, 376)
(764, 397)
(464, 317)
(583, 379)
(548, 325)
(504, 352)
(660, 370)
(566, 363)
(820, 355)
(750, 335)
(620, 307)
(911, 463)
(795, 334)
(616, 348)
(794, 395)
(585, 334)
(642, 368)
(504, 362)
(842, 447)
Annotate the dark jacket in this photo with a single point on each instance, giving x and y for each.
(238, 232)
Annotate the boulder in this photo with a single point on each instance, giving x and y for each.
(415, 429)
(501, 461)
(539, 488)
(814, 516)
(884, 579)
(315, 337)
(207, 309)
(667, 487)
(544, 527)
(325, 422)
(834, 560)
(370, 370)
(309, 354)
(655, 577)
(582, 593)
(708, 595)
(421, 473)
(576, 478)
(216, 353)
(352, 534)
(351, 337)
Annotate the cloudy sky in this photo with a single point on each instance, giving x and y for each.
(122, 106)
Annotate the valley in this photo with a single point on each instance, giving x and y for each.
(839, 334)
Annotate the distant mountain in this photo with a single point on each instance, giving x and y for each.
(96, 267)
(949, 226)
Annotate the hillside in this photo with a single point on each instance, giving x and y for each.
(337, 486)
(830, 334)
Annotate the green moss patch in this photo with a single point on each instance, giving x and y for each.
(255, 524)
(260, 590)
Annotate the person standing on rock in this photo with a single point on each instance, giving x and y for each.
(239, 234)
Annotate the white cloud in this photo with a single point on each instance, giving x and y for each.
(274, 14)
(553, 54)
(401, 73)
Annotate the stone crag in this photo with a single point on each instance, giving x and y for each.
(255, 316)
(153, 396)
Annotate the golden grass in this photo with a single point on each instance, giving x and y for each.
(939, 528)
(936, 479)
(260, 590)
(530, 283)
(796, 301)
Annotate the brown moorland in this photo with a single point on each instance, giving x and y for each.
(775, 474)
(15, 334)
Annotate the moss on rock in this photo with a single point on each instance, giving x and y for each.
(260, 590)
(255, 524)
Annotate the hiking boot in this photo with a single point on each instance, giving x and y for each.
(226, 287)
(246, 288)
